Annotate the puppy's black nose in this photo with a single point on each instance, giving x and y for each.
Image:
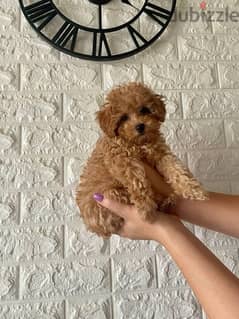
(140, 128)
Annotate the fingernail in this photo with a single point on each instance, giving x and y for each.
(98, 197)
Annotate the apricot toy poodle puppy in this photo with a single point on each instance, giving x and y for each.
(130, 120)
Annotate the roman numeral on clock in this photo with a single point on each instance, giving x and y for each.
(67, 32)
(100, 43)
(41, 10)
(157, 13)
(136, 36)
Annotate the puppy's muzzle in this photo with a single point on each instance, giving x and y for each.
(140, 128)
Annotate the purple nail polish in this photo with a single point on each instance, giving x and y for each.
(98, 197)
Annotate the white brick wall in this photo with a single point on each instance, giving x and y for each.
(49, 265)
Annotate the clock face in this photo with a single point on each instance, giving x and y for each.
(99, 30)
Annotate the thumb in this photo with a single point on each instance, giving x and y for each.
(119, 209)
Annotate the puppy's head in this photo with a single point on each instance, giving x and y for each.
(132, 112)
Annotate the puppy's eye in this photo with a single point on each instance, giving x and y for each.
(144, 110)
(124, 118)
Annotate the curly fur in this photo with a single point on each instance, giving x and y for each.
(115, 167)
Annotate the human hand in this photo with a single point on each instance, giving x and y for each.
(134, 226)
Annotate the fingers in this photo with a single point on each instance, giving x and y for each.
(119, 209)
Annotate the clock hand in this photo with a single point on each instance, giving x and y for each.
(100, 16)
(127, 2)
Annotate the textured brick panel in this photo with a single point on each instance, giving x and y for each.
(59, 77)
(84, 243)
(48, 206)
(8, 283)
(115, 74)
(32, 310)
(230, 259)
(227, 27)
(215, 165)
(218, 186)
(195, 134)
(25, 47)
(168, 273)
(82, 106)
(180, 76)
(215, 240)
(215, 104)
(183, 24)
(65, 279)
(229, 75)
(166, 50)
(134, 273)
(9, 16)
(30, 243)
(216, 4)
(173, 105)
(9, 77)
(28, 173)
(60, 139)
(10, 141)
(159, 305)
(122, 245)
(30, 107)
(232, 132)
(90, 309)
(204, 47)
(235, 188)
(9, 209)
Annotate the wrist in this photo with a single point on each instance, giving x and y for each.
(176, 207)
(163, 230)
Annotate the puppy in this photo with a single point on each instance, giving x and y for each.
(130, 120)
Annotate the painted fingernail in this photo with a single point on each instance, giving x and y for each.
(98, 197)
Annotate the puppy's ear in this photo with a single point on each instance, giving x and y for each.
(160, 108)
(107, 120)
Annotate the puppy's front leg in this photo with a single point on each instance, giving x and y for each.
(180, 179)
(131, 174)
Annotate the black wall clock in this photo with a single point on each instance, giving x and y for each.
(99, 30)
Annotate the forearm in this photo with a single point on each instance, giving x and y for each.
(216, 288)
(219, 213)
